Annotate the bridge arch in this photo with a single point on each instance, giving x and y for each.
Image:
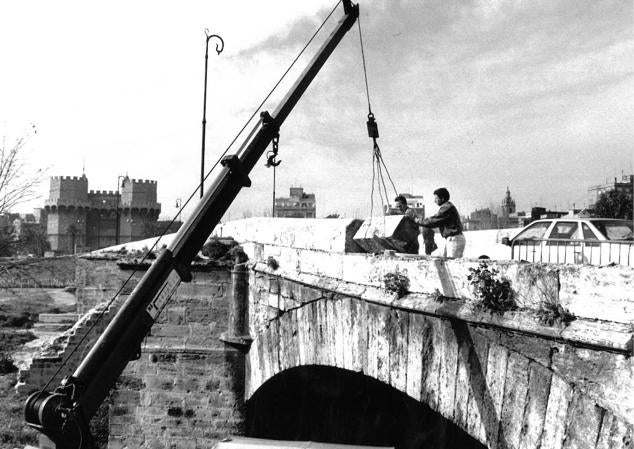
(329, 404)
(502, 388)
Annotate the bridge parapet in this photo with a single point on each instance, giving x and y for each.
(325, 249)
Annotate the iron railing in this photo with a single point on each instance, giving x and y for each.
(593, 252)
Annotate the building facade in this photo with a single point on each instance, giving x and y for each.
(297, 205)
(414, 202)
(79, 219)
(625, 185)
(481, 219)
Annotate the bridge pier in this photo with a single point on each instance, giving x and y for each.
(237, 334)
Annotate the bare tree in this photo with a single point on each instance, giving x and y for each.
(16, 184)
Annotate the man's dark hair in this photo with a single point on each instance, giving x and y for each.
(442, 193)
(400, 199)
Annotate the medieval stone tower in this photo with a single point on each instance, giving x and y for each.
(83, 220)
(138, 209)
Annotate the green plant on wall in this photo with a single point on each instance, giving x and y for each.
(438, 296)
(494, 292)
(397, 283)
(272, 263)
(553, 314)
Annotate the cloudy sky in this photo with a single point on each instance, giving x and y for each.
(471, 95)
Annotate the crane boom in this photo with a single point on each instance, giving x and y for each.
(63, 415)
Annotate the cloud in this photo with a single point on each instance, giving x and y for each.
(473, 95)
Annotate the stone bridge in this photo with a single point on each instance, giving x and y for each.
(517, 379)
(304, 342)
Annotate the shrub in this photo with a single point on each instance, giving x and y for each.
(236, 254)
(22, 320)
(495, 293)
(396, 283)
(272, 263)
(215, 249)
(438, 296)
(6, 364)
(554, 314)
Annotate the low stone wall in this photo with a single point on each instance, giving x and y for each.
(69, 347)
(330, 235)
(187, 389)
(53, 272)
(98, 280)
(603, 297)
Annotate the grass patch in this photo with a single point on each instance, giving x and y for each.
(23, 320)
(13, 432)
(21, 309)
(11, 340)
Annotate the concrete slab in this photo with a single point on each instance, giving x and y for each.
(394, 232)
(331, 234)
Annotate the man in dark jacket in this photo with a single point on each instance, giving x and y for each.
(447, 219)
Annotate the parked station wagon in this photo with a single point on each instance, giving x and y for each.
(596, 241)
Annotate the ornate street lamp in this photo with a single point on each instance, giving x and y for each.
(219, 47)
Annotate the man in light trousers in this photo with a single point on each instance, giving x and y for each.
(447, 219)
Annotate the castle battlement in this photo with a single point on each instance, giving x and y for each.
(102, 193)
(142, 181)
(70, 178)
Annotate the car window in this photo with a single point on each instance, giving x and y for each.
(533, 232)
(564, 230)
(615, 230)
(588, 234)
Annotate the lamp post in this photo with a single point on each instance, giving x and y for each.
(178, 205)
(116, 239)
(219, 47)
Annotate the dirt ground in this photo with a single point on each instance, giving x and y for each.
(19, 310)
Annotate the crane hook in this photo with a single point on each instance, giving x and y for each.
(271, 155)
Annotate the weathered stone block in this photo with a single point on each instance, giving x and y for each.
(378, 234)
(318, 234)
(556, 414)
(398, 330)
(448, 370)
(584, 421)
(514, 400)
(605, 293)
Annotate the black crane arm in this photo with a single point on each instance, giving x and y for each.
(63, 415)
